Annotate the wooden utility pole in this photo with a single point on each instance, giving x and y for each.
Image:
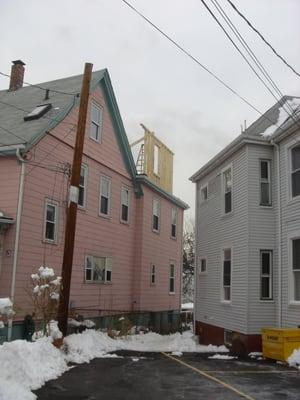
(73, 200)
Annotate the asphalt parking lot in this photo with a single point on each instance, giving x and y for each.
(159, 376)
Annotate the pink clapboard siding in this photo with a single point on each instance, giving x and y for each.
(132, 246)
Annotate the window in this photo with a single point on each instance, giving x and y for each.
(98, 269)
(265, 183)
(266, 284)
(96, 122)
(203, 193)
(227, 190)
(296, 268)
(156, 159)
(226, 296)
(173, 223)
(105, 185)
(295, 172)
(38, 112)
(124, 204)
(152, 275)
(50, 221)
(172, 279)
(155, 215)
(203, 265)
(82, 186)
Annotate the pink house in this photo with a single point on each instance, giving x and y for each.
(128, 246)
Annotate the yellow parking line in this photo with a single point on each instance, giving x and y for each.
(265, 371)
(208, 376)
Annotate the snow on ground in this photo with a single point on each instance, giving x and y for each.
(294, 359)
(27, 366)
(187, 306)
(222, 357)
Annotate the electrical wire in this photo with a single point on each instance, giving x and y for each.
(193, 58)
(42, 88)
(262, 37)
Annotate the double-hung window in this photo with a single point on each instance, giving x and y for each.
(227, 190)
(82, 186)
(266, 273)
(105, 195)
(124, 205)
(98, 269)
(96, 123)
(156, 215)
(50, 221)
(265, 183)
(203, 193)
(296, 268)
(202, 265)
(226, 295)
(172, 278)
(173, 223)
(295, 170)
(152, 274)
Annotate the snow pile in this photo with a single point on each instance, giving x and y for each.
(294, 104)
(27, 366)
(222, 357)
(294, 359)
(86, 322)
(187, 306)
(5, 305)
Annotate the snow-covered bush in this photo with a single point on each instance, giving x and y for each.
(45, 296)
(6, 310)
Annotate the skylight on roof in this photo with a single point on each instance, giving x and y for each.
(38, 112)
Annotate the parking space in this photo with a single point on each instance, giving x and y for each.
(158, 376)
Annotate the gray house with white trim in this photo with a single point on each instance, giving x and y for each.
(248, 232)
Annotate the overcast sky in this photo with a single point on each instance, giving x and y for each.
(154, 83)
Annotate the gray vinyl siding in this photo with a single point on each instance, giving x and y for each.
(262, 236)
(215, 232)
(290, 223)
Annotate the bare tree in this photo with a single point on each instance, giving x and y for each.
(188, 263)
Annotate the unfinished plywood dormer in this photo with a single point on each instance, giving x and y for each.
(154, 159)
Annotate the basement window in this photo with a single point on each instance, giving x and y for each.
(38, 112)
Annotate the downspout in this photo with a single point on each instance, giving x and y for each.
(17, 237)
(279, 235)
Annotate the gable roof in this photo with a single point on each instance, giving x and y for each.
(266, 129)
(15, 105)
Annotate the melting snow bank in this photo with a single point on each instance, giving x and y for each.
(27, 366)
(294, 359)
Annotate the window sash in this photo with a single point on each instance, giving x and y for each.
(155, 215)
(172, 279)
(96, 116)
(98, 269)
(173, 223)
(50, 221)
(266, 275)
(265, 183)
(105, 194)
(82, 186)
(152, 274)
(203, 193)
(227, 274)
(203, 265)
(227, 190)
(124, 205)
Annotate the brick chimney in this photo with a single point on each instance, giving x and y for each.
(16, 75)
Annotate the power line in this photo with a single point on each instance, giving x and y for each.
(42, 88)
(188, 54)
(250, 52)
(262, 37)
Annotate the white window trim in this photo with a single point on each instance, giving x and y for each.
(202, 201)
(200, 271)
(270, 251)
(151, 274)
(227, 167)
(269, 181)
(107, 178)
(292, 235)
(288, 150)
(56, 205)
(174, 277)
(123, 187)
(159, 215)
(106, 269)
(176, 224)
(99, 140)
(223, 301)
(86, 169)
